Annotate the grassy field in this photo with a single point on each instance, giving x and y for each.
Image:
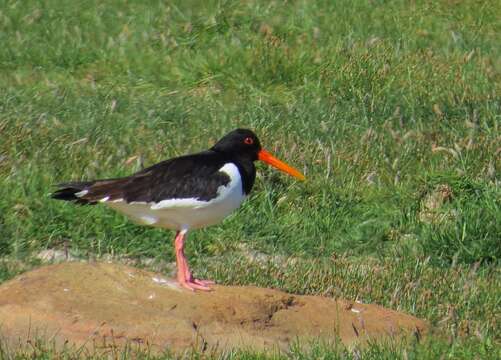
(391, 108)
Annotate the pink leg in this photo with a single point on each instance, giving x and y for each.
(190, 278)
(184, 276)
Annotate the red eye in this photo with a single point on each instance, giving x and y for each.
(249, 141)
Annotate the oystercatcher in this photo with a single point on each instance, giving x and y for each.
(183, 193)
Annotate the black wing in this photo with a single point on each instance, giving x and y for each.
(191, 176)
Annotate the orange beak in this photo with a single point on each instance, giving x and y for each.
(280, 165)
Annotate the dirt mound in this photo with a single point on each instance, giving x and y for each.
(101, 305)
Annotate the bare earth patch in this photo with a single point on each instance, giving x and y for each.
(101, 306)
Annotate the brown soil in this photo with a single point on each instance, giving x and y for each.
(102, 305)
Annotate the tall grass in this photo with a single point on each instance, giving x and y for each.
(392, 109)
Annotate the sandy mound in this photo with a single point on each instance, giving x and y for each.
(101, 305)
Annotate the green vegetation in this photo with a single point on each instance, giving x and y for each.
(391, 108)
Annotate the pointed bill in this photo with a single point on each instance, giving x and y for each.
(273, 161)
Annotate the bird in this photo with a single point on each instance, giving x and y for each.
(183, 193)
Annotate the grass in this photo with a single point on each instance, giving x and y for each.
(391, 108)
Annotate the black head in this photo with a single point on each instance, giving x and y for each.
(241, 143)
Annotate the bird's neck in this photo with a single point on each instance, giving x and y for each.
(247, 172)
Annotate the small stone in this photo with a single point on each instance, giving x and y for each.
(54, 256)
(432, 206)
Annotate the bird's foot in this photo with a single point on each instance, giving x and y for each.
(196, 284)
(203, 282)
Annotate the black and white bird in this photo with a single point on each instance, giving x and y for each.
(183, 193)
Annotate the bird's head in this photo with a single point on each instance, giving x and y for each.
(244, 143)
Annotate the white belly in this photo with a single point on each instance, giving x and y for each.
(191, 213)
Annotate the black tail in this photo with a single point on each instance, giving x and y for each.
(69, 191)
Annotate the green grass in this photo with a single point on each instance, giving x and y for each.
(382, 104)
